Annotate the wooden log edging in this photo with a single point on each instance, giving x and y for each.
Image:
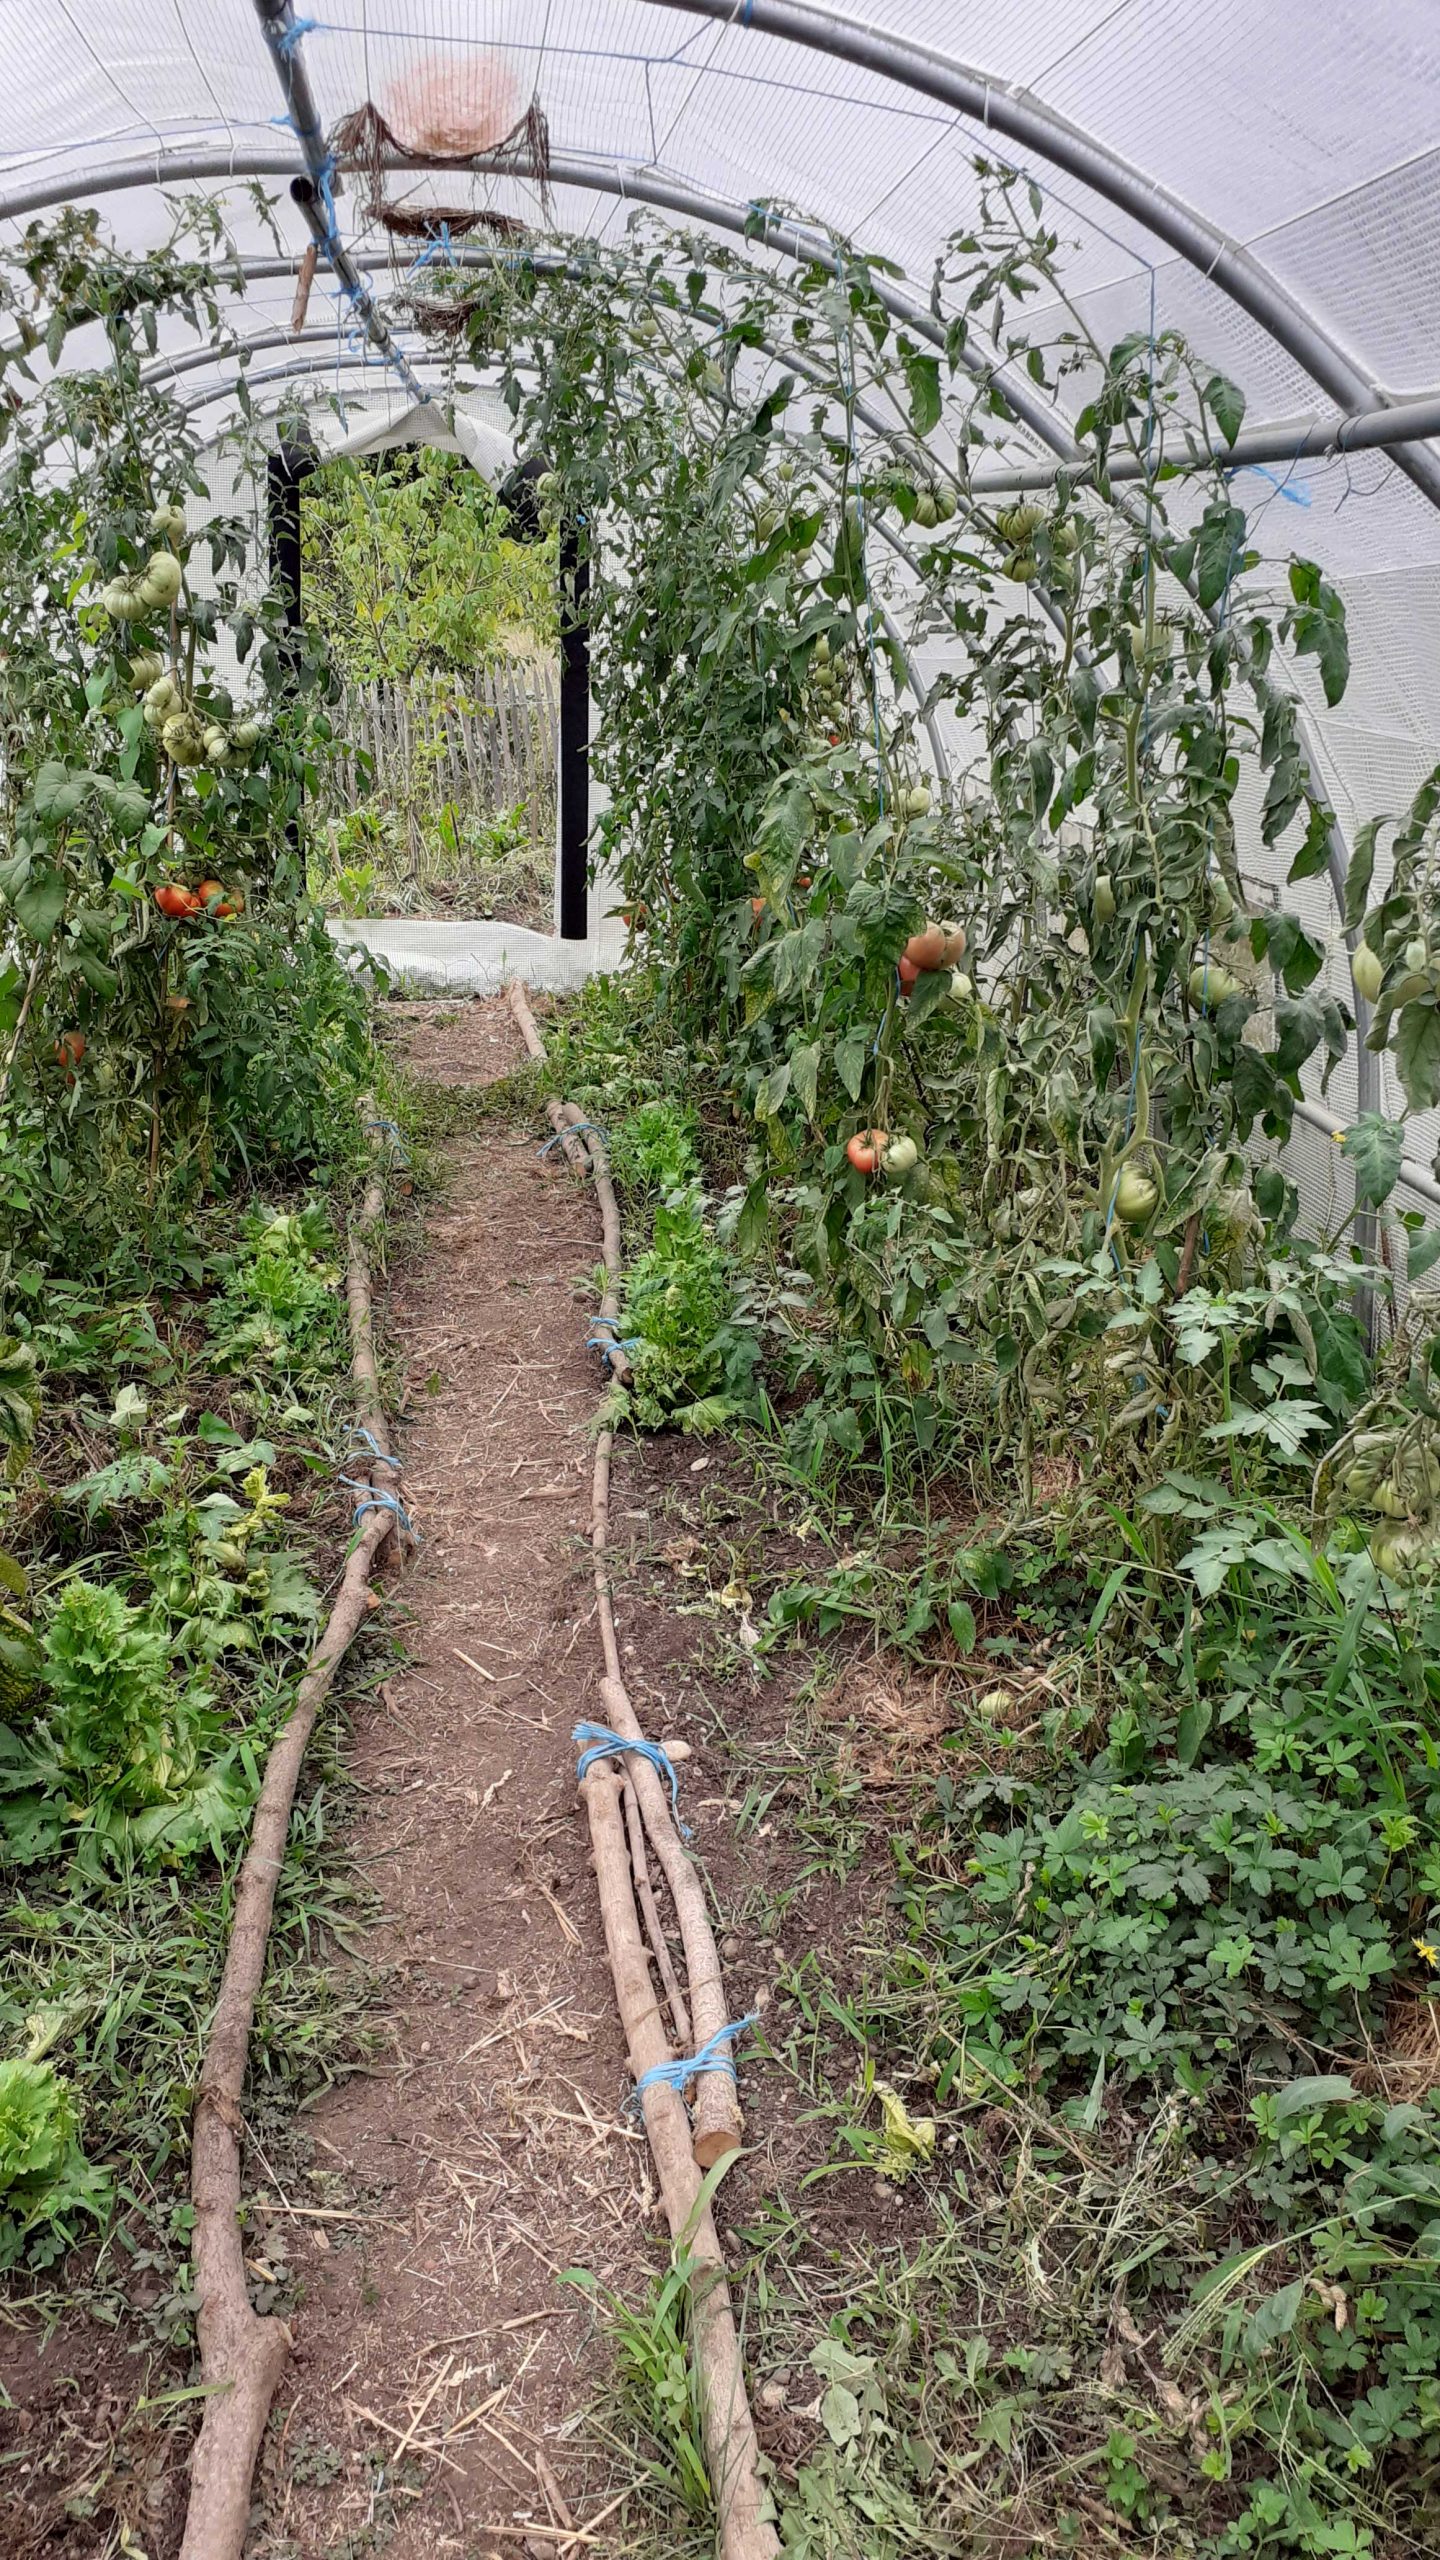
(242, 2354)
(680, 2151)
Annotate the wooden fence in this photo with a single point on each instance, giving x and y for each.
(482, 748)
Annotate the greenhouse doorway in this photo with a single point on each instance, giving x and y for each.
(452, 831)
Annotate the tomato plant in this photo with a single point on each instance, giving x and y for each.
(158, 947)
(756, 447)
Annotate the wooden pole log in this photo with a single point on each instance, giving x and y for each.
(746, 2533)
(718, 2120)
(243, 2355)
(732, 2452)
(715, 2107)
(719, 2123)
(650, 1914)
(574, 1148)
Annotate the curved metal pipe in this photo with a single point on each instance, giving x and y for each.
(626, 179)
(1273, 440)
(1002, 107)
(309, 366)
(1388, 425)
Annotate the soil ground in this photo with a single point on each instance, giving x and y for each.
(491, 2153)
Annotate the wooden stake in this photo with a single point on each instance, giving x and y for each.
(645, 1896)
(732, 2451)
(303, 283)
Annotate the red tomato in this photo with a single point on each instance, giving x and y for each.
(70, 1048)
(866, 1148)
(926, 950)
(176, 900)
(209, 889)
(908, 975)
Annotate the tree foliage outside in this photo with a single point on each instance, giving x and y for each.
(409, 570)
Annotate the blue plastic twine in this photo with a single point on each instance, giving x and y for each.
(391, 1131)
(368, 1441)
(575, 1129)
(711, 2057)
(286, 44)
(379, 1502)
(601, 1744)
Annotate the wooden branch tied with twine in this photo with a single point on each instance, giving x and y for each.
(747, 2531)
(243, 2355)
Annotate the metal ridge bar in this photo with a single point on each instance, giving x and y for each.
(1277, 440)
(314, 190)
(1003, 107)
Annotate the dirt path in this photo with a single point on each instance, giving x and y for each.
(487, 2155)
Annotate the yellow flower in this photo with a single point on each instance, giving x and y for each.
(1423, 1949)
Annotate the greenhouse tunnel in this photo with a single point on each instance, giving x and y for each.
(811, 640)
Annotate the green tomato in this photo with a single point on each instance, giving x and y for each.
(962, 987)
(1399, 1553)
(917, 801)
(162, 580)
(183, 739)
(900, 1157)
(1104, 899)
(1210, 985)
(1136, 1197)
(1018, 523)
(247, 737)
(927, 513)
(1417, 953)
(1368, 971)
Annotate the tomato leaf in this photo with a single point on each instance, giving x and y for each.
(1226, 403)
(805, 1078)
(851, 1053)
(1374, 1146)
(1423, 1253)
(1361, 872)
(1417, 1055)
(40, 904)
(922, 380)
(962, 1624)
(1219, 549)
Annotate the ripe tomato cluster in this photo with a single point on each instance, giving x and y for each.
(211, 897)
